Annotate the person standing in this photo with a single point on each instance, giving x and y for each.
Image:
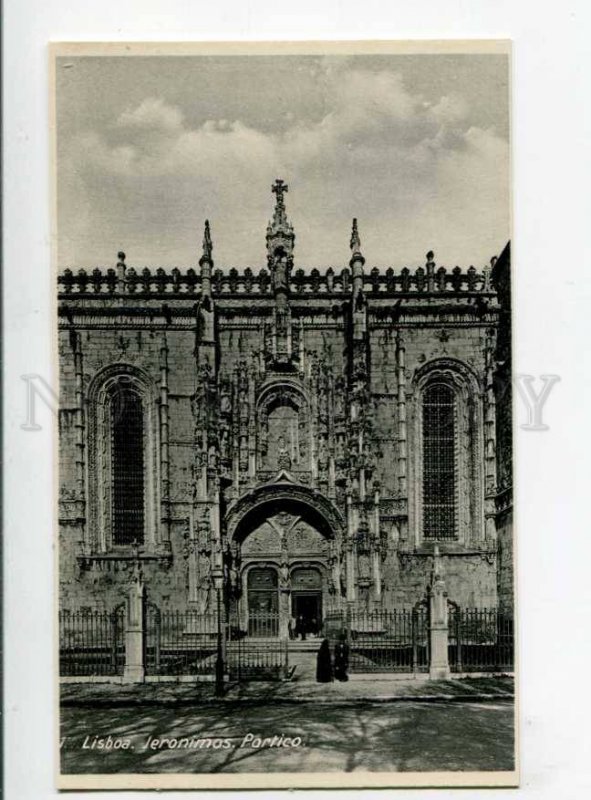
(341, 658)
(324, 663)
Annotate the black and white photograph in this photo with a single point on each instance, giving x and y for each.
(285, 454)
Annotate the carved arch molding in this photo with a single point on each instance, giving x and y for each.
(265, 500)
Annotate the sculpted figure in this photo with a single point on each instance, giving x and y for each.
(283, 457)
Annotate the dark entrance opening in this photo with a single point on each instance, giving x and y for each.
(307, 612)
(306, 601)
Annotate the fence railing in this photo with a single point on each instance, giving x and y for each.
(186, 642)
(92, 642)
(480, 640)
(263, 626)
(179, 642)
(383, 641)
(248, 659)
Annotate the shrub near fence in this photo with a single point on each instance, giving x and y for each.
(91, 642)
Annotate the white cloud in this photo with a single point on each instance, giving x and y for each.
(152, 113)
(415, 172)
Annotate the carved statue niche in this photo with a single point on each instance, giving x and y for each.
(281, 429)
(204, 532)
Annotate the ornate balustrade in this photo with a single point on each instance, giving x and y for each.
(145, 282)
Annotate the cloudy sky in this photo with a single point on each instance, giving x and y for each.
(415, 146)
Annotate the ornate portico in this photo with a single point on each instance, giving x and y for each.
(286, 545)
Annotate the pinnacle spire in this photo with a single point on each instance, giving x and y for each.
(207, 244)
(355, 244)
(280, 235)
(279, 189)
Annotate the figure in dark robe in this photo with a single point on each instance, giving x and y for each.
(324, 663)
(301, 627)
(341, 658)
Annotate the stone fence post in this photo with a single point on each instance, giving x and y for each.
(134, 671)
(439, 660)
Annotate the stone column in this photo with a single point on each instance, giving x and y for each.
(134, 671)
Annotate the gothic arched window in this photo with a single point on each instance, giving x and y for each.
(439, 462)
(127, 468)
(123, 444)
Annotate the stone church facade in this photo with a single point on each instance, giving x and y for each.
(308, 439)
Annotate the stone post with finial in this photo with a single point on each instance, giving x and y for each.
(439, 658)
(134, 671)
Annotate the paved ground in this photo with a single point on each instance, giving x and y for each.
(228, 737)
(372, 688)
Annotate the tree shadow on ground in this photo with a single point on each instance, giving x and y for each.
(363, 736)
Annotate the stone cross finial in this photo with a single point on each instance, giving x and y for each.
(280, 188)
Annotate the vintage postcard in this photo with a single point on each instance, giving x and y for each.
(283, 330)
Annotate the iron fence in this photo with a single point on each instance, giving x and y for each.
(383, 641)
(389, 641)
(179, 642)
(255, 651)
(91, 642)
(249, 659)
(480, 640)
